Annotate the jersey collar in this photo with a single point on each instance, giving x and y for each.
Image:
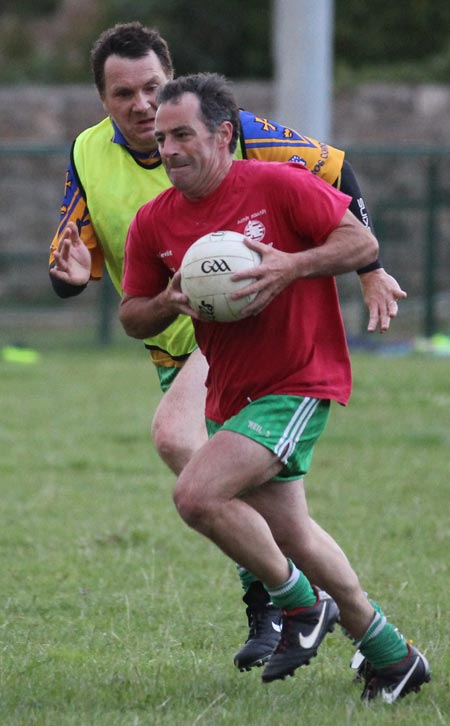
(142, 157)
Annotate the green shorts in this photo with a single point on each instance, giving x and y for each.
(287, 425)
(167, 367)
(166, 377)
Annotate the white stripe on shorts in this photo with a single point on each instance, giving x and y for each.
(293, 431)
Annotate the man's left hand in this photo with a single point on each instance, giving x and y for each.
(381, 293)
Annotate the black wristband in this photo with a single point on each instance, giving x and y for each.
(369, 268)
(65, 289)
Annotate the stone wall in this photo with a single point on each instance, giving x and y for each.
(366, 114)
(31, 184)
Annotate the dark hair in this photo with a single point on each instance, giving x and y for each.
(129, 40)
(217, 102)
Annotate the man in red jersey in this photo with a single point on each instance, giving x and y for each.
(114, 168)
(272, 374)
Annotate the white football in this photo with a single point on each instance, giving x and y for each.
(206, 270)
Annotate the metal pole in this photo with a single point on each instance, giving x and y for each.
(303, 60)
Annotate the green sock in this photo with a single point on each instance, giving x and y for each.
(377, 609)
(382, 644)
(246, 577)
(296, 592)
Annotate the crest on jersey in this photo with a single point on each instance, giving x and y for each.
(298, 159)
(255, 230)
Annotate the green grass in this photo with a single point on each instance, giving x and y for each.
(114, 613)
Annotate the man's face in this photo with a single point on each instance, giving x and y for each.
(195, 158)
(130, 97)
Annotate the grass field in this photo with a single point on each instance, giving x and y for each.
(113, 613)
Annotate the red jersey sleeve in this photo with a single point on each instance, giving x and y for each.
(315, 208)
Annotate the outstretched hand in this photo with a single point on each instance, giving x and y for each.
(72, 258)
(381, 293)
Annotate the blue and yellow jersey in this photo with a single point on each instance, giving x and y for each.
(269, 141)
(106, 183)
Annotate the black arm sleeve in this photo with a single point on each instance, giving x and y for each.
(65, 289)
(349, 185)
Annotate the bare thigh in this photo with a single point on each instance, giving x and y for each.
(178, 427)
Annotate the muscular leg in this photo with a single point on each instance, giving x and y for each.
(252, 529)
(207, 498)
(258, 525)
(179, 430)
(178, 427)
(313, 550)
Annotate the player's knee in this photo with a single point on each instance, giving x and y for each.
(172, 449)
(191, 507)
(174, 444)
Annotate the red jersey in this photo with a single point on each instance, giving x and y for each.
(297, 344)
